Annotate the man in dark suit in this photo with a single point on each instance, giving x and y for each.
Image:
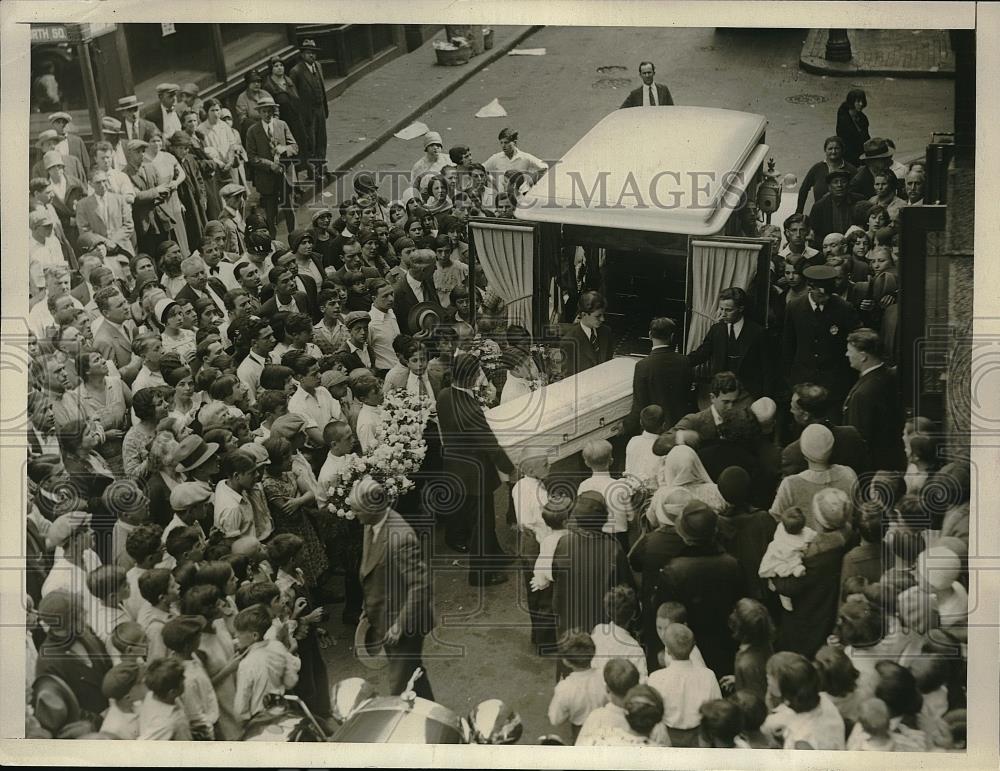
(72, 652)
(396, 584)
(269, 142)
(834, 212)
(814, 340)
(284, 296)
(649, 94)
(811, 404)
(199, 284)
(134, 126)
(471, 457)
(307, 76)
(662, 378)
(873, 405)
(303, 283)
(417, 286)
(166, 117)
(735, 344)
(588, 342)
(727, 398)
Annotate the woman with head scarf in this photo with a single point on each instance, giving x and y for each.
(683, 468)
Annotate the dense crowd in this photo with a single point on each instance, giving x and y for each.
(784, 568)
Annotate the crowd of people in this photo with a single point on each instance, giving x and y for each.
(785, 568)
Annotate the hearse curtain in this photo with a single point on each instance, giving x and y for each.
(716, 265)
(507, 254)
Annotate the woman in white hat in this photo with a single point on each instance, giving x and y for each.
(433, 160)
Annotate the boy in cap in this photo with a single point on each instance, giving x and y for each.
(161, 717)
(182, 636)
(124, 689)
(189, 501)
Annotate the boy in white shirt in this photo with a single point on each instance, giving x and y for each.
(339, 438)
(182, 636)
(613, 640)
(684, 687)
(161, 716)
(639, 457)
(617, 497)
(368, 390)
(123, 688)
(529, 498)
(582, 690)
(266, 669)
(667, 614)
(620, 675)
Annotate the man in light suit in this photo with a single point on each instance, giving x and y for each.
(417, 286)
(396, 585)
(872, 405)
(270, 141)
(663, 378)
(649, 94)
(588, 343)
(113, 338)
(735, 344)
(106, 213)
(307, 76)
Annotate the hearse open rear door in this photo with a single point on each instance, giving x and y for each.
(715, 263)
(510, 255)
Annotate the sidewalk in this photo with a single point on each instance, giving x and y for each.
(368, 113)
(897, 53)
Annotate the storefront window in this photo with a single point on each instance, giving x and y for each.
(180, 53)
(56, 75)
(244, 44)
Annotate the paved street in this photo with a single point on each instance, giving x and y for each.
(482, 648)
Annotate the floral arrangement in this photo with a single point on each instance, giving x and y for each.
(487, 351)
(400, 450)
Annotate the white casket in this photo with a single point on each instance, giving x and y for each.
(562, 417)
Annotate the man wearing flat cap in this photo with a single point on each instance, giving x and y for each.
(69, 143)
(814, 342)
(234, 198)
(106, 213)
(307, 76)
(833, 213)
(166, 118)
(512, 158)
(360, 353)
(270, 148)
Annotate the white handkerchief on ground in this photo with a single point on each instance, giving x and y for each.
(412, 131)
(526, 52)
(493, 110)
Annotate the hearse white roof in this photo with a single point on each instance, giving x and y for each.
(664, 169)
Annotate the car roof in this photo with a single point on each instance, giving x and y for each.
(662, 169)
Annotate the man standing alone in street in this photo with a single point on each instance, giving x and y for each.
(649, 94)
(307, 76)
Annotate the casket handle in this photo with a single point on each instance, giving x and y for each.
(565, 438)
(601, 422)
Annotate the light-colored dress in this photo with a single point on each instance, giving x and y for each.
(168, 169)
(184, 345)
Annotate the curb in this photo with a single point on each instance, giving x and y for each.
(817, 65)
(483, 60)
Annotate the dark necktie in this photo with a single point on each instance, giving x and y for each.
(732, 337)
(652, 99)
(593, 341)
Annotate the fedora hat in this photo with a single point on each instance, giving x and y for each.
(128, 103)
(266, 100)
(875, 148)
(193, 451)
(54, 703)
(424, 315)
(47, 136)
(697, 524)
(308, 45)
(369, 651)
(111, 125)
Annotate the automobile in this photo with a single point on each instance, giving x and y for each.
(365, 717)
